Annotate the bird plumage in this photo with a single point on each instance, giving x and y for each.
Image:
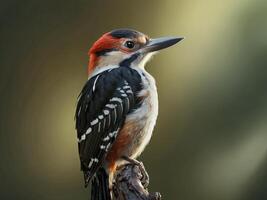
(104, 102)
(118, 106)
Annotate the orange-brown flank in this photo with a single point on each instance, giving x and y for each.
(119, 145)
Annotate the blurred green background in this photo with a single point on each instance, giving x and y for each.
(210, 142)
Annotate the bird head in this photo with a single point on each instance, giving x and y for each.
(126, 47)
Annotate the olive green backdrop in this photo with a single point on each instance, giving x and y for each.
(210, 141)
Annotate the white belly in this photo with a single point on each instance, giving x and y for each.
(144, 117)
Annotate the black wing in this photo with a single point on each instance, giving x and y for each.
(103, 104)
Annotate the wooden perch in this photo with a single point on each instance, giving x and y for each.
(130, 183)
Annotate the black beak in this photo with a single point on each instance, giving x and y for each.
(160, 43)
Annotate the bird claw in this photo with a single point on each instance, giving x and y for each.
(145, 178)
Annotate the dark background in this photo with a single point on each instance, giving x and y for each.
(210, 142)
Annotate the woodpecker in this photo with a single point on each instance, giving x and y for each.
(118, 106)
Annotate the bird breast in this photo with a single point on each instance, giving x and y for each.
(140, 123)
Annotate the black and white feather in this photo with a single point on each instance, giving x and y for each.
(103, 105)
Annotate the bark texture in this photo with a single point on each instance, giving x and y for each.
(131, 182)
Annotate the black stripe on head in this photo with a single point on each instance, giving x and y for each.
(127, 62)
(124, 33)
(105, 51)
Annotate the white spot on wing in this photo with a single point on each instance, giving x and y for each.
(106, 112)
(110, 106)
(83, 137)
(91, 162)
(129, 91)
(94, 122)
(116, 99)
(106, 138)
(107, 147)
(126, 87)
(89, 130)
(111, 134)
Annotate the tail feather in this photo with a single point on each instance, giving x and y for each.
(87, 178)
(100, 186)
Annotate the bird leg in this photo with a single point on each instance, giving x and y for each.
(145, 178)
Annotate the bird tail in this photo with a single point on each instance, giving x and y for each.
(100, 186)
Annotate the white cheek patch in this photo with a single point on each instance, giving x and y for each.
(112, 58)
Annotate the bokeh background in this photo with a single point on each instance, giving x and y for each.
(210, 141)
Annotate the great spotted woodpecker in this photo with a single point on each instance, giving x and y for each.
(118, 106)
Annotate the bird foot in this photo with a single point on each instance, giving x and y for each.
(145, 178)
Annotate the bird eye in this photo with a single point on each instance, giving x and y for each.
(129, 44)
